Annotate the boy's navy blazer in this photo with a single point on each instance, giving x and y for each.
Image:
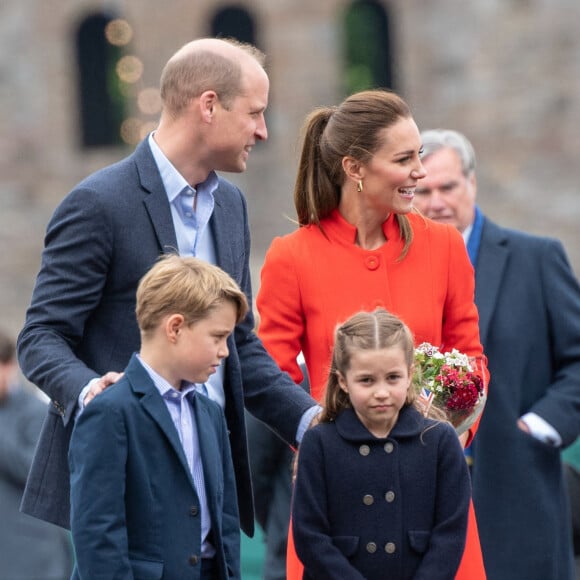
(102, 238)
(134, 477)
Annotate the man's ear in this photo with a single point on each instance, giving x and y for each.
(208, 101)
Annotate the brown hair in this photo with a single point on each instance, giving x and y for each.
(193, 70)
(187, 286)
(364, 331)
(351, 129)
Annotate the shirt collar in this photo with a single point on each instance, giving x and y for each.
(173, 181)
(467, 233)
(162, 385)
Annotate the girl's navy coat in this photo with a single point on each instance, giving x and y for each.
(381, 508)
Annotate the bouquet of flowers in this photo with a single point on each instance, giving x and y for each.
(448, 386)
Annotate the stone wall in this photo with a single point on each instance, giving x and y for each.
(505, 72)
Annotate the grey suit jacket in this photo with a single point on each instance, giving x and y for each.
(529, 306)
(101, 240)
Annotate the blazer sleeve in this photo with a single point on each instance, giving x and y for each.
(560, 406)
(68, 289)
(269, 394)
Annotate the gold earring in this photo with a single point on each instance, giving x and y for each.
(359, 186)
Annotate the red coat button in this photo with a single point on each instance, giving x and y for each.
(372, 262)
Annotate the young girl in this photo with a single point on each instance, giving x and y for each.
(381, 492)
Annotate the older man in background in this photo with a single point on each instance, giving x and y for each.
(529, 306)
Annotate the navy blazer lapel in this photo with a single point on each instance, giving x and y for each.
(154, 405)
(156, 202)
(210, 453)
(221, 223)
(491, 263)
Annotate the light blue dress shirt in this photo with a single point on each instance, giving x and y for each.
(191, 211)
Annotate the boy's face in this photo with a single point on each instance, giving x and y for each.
(202, 345)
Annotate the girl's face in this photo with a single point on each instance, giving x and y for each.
(391, 176)
(377, 382)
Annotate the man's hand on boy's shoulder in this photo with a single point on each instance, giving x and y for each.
(97, 386)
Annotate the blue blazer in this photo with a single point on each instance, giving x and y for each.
(134, 507)
(529, 306)
(101, 240)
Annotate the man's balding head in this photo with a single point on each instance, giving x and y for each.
(207, 64)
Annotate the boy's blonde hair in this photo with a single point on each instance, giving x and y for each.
(186, 286)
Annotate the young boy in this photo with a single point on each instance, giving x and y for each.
(152, 483)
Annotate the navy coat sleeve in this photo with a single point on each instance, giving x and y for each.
(560, 406)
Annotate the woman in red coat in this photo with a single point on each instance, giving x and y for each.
(360, 246)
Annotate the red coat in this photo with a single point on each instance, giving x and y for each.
(311, 281)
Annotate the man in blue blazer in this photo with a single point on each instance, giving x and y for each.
(529, 306)
(80, 328)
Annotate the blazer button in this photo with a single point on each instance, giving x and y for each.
(368, 499)
(390, 496)
(59, 407)
(371, 547)
(390, 548)
(364, 450)
(193, 560)
(389, 447)
(193, 510)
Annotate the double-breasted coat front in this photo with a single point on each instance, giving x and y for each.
(381, 508)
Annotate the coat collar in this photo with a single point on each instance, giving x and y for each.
(409, 424)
